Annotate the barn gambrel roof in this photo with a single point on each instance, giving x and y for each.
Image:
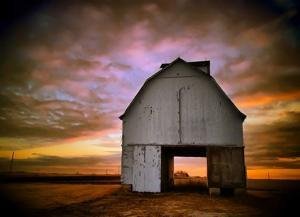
(195, 65)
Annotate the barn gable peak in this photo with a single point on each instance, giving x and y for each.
(203, 66)
(199, 66)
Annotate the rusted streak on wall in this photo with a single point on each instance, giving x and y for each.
(180, 114)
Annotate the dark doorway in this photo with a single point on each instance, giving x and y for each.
(170, 181)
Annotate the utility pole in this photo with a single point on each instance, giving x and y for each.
(11, 162)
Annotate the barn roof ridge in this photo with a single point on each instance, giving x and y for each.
(194, 65)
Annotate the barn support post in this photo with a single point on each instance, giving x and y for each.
(126, 165)
(167, 170)
(225, 169)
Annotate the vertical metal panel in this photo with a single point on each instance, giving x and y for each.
(139, 166)
(147, 169)
(153, 169)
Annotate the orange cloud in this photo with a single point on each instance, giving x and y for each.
(261, 99)
(265, 173)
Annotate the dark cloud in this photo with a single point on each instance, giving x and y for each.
(273, 67)
(275, 144)
(50, 87)
(43, 162)
(50, 119)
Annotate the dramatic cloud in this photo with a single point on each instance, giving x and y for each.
(276, 144)
(69, 69)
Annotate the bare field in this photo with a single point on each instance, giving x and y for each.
(80, 200)
(44, 196)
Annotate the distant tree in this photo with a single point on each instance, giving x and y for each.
(181, 174)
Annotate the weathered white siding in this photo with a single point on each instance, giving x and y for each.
(146, 169)
(182, 106)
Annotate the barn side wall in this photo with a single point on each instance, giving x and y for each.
(146, 169)
(167, 170)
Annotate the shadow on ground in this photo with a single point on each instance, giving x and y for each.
(181, 202)
(49, 200)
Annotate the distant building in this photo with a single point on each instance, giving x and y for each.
(181, 174)
(182, 111)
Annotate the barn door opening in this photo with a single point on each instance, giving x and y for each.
(190, 174)
(187, 158)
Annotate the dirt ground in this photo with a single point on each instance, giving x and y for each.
(80, 200)
(45, 196)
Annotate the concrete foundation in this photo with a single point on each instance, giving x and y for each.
(214, 191)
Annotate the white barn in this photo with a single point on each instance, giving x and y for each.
(182, 111)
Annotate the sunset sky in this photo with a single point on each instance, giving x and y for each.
(69, 69)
